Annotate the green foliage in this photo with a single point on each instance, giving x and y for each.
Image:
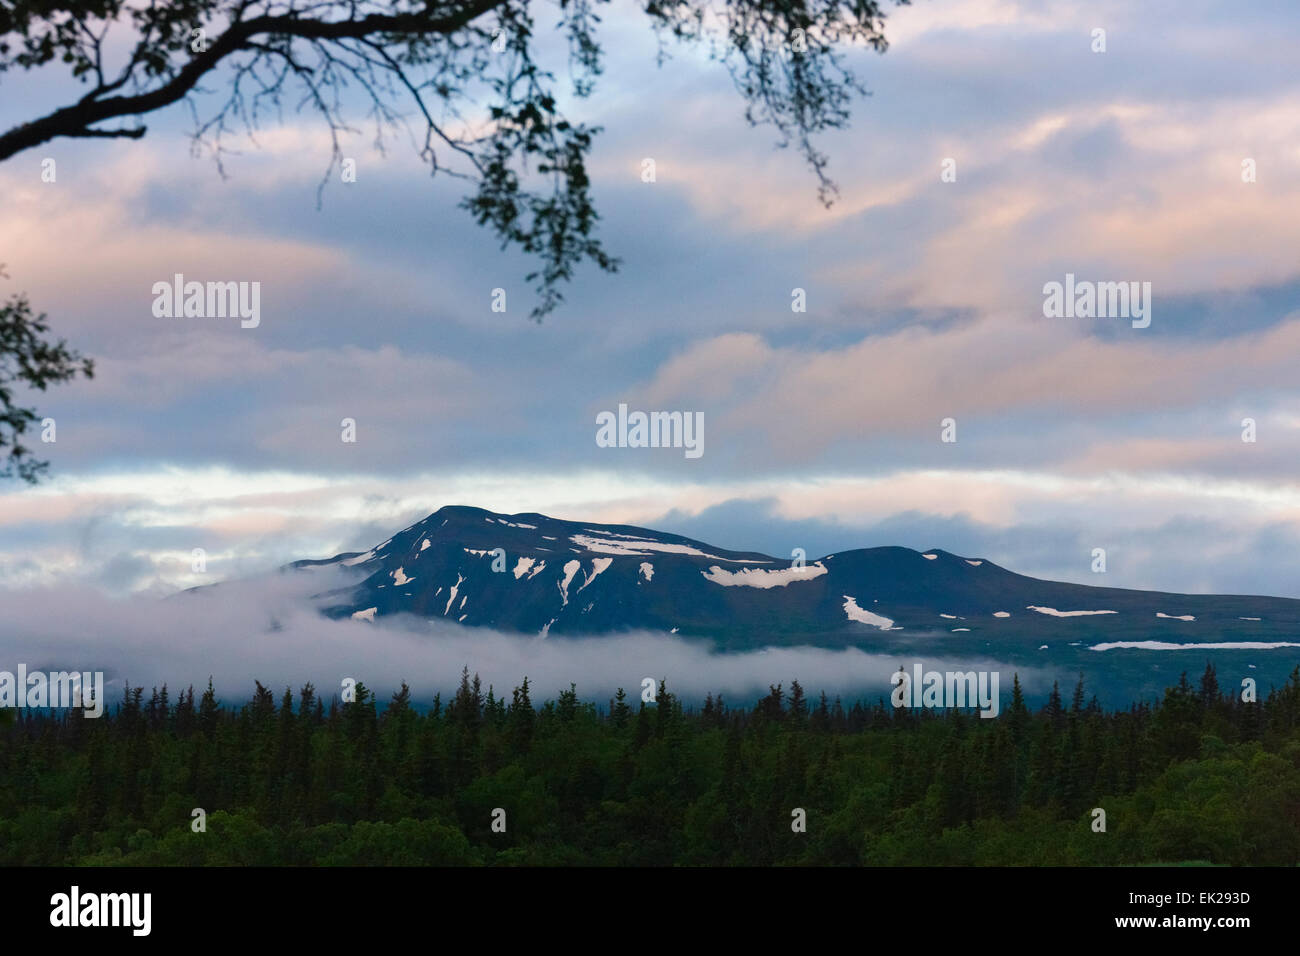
(28, 360)
(1198, 777)
(486, 109)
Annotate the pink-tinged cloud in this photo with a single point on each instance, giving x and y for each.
(801, 401)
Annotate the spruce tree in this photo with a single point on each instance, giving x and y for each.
(798, 710)
(620, 712)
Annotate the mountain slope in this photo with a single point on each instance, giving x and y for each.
(534, 574)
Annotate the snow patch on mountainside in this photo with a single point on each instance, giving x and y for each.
(647, 570)
(367, 615)
(597, 566)
(570, 569)
(1216, 646)
(399, 578)
(525, 566)
(1055, 613)
(1175, 617)
(856, 613)
(762, 577)
(644, 546)
(451, 597)
(358, 559)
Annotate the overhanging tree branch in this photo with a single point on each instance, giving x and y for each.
(525, 158)
(75, 120)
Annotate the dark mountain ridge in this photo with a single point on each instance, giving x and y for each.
(531, 573)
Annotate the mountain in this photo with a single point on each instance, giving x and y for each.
(533, 574)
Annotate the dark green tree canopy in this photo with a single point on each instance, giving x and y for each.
(466, 72)
(29, 360)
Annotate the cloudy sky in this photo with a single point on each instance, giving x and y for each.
(822, 428)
